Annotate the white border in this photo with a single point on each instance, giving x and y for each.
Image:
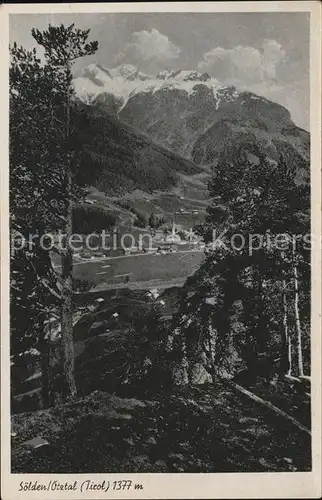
(228, 485)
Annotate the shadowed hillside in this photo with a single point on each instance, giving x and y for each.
(119, 159)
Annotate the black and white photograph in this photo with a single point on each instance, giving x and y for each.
(160, 243)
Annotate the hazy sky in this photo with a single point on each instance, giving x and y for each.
(267, 53)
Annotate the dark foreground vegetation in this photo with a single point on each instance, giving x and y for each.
(209, 429)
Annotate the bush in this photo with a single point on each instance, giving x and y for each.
(82, 286)
(140, 220)
(123, 204)
(155, 222)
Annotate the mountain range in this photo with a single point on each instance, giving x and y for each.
(190, 115)
(178, 105)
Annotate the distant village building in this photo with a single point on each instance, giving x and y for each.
(173, 237)
(153, 293)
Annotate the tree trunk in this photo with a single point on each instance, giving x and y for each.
(44, 347)
(261, 326)
(46, 379)
(67, 324)
(297, 318)
(66, 311)
(211, 345)
(286, 356)
(256, 318)
(67, 276)
(289, 355)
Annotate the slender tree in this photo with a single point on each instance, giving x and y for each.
(35, 201)
(297, 314)
(63, 46)
(286, 339)
(152, 220)
(44, 158)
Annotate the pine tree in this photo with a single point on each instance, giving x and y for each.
(152, 220)
(44, 170)
(251, 195)
(35, 201)
(63, 46)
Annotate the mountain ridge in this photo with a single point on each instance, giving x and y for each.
(191, 113)
(126, 80)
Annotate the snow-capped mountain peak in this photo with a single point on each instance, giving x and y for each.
(189, 112)
(126, 71)
(184, 76)
(126, 80)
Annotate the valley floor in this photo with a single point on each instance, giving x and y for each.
(208, 429)
(108, 273)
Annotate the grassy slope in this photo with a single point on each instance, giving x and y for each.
(163, 204)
